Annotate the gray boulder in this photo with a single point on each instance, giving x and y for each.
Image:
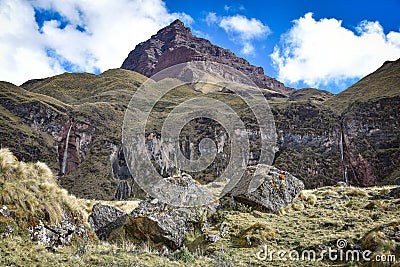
(104, 219)
(267, 187)
(160, 223)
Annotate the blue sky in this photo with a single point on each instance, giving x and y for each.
(304, 43)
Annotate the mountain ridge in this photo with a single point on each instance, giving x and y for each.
(176, 44)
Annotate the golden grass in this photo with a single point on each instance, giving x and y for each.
(31, 188)
(317, 217)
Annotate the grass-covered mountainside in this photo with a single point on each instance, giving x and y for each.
(366, 218)
(37, 114)
(313, 126)
(381, 84)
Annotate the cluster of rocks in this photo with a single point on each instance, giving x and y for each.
(57, 235)
(52, 235)
(161, 224)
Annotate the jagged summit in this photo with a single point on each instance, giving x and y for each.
(176, 44)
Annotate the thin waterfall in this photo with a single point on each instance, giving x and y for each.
(342, 153)
(65, 156)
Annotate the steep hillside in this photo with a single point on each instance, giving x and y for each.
(370, 121)
(84, 117)
(73, 121)
(88, 111)
(359, 125)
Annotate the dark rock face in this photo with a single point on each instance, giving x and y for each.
(106, 218)
(309, 143)
(160, 223)
(372, 144)
(269, 188)
(73, 142)
(176, 44)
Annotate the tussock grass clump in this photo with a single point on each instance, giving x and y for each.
(32, 190)
(309, 198)
(255, 235)
(356, 192)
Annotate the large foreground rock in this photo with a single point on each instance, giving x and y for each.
(267, 187)
(106, 218)
(160, 223)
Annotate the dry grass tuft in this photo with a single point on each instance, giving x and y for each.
(32, 189)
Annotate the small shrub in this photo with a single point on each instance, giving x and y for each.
(356, 192)
(223, 260)
(281, 211)
(243, 208)
(183, 254)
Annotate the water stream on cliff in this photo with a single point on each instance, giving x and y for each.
(65, 156)
(343, 165)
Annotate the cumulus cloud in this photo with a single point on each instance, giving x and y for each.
(241, 29)
(92, 36)
(323, 52)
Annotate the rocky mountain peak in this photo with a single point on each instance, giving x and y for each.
(176, 44)
(175, 31)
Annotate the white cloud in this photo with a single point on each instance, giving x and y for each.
(323, 52)
(21, 48)
(211, 18)
(246, 28)
(241, 29)
(112, 29)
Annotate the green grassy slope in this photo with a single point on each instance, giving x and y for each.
(383, 83)
(96, 100)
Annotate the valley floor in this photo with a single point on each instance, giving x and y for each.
(349, 218)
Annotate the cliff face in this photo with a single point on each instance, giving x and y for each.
(350, 136)
(372, 141)
(176, 44)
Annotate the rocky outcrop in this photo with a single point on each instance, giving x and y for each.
(176, 44)
(104, 219)
(267, 187)
(54, 236)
